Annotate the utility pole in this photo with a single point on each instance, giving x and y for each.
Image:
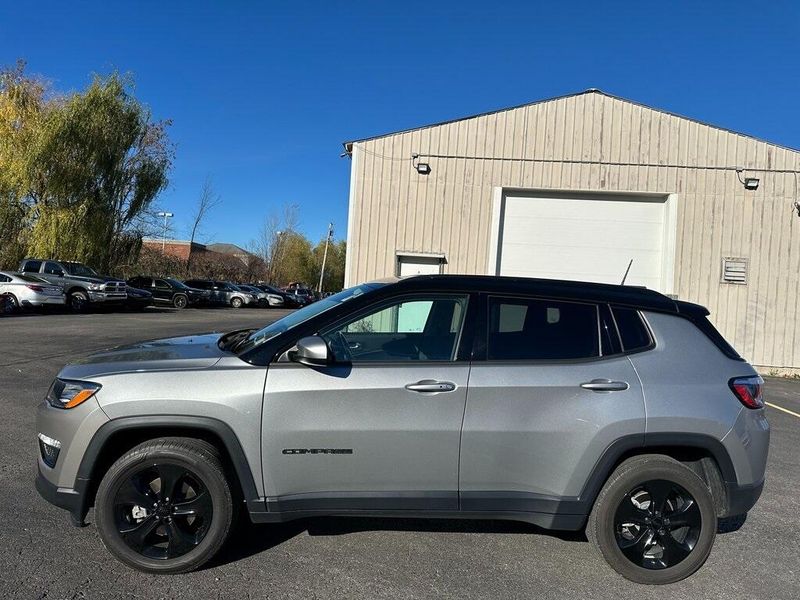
(325, 256)
(166, 215)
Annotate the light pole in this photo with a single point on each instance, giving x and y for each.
(325, 256)
(166, 215)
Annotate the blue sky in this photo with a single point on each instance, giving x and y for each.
(262, 94)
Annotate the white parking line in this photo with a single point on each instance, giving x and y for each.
(786, 410)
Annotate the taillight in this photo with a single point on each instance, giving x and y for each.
(749, 390)
(35, 288)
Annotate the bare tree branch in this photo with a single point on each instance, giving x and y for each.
(206, 202)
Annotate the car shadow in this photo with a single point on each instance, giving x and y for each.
(249, 539)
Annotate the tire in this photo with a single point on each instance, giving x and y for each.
(167, 542)
(78, 301)
(682, 550)
(180, 301)
(236, 302)
(9, 304)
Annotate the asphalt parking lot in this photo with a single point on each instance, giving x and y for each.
(42, 556)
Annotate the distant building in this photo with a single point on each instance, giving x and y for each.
(232, 250)
(181, 249)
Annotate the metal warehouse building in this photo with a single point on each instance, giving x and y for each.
(579, 186)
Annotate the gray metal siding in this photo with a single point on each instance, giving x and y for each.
(450, 210)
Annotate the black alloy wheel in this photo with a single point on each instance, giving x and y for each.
(657, 524)
(654, 521)
(166, 506)
(180, 301)
(162, 511)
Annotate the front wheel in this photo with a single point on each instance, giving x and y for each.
(236, 302)
(654, 521)
(180, 301)
(78, 301)
(165, 506)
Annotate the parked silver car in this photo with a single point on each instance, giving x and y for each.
(265, 298)
(222, 292)
(568, 405)
(25, 290)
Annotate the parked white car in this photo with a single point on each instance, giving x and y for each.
(25, 290)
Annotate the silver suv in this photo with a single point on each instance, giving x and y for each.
(563, 404)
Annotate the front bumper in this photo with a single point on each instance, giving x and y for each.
(63, 484)
(73, 500)
(99, 296)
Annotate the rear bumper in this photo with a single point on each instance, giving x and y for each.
(44, 301)
(741, 498)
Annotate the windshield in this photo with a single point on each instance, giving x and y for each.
(177, 284)
(80, 270)
(304, 314)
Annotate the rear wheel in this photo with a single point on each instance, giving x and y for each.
(180, 301)
(165, 506)
(654, 521)
(9, 304)
(78, 301)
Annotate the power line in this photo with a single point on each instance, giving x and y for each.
(568, 161)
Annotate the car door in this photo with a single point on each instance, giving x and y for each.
(53, 273)
(162, 291)
(380, 428)
(551, 392)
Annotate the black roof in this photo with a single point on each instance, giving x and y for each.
(623, 295)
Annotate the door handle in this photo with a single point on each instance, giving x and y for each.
(431, 385)
(605, 385)
(354, 345)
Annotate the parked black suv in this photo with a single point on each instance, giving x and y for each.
(170, 291)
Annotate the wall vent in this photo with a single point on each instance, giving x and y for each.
(734, 270)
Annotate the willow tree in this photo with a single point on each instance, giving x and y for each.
(95, 167)
(21, 105)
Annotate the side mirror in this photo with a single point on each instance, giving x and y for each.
(312, 351)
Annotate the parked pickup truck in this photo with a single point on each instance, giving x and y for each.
(82, 285)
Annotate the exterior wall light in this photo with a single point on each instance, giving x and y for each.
(421, 167)
(749, 183)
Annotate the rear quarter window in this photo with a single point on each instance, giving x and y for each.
(633, 332)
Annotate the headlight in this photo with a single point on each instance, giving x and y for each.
(275, 298)
(64, 393)
(96, 287)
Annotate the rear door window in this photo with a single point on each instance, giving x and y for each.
(539, 329)
(52, 268)
(32, 266)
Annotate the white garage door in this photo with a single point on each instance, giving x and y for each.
(587, 238)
